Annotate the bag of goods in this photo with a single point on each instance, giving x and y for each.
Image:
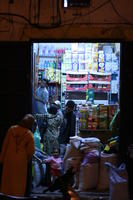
(89, 144)
(103, 182)
(118, 182)
(71, 152)
(91, 157)
(88, 176)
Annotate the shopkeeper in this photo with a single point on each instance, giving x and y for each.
(41, 98)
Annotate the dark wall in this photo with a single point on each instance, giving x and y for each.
(126, 95)
(14, 83)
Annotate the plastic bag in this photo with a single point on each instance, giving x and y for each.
(118, 180)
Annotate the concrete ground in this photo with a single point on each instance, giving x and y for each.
(56, 195)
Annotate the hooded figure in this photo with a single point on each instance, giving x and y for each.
(17, 151)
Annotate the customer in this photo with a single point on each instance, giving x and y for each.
(55, 164)
(52, 132)
(41, 97)
(16, 154)
(68, 126)
(50, 137)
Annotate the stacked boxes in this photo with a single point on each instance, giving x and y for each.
(76, 77)
(103, 117)
(95, 117)
(76, 87)
(83, 118)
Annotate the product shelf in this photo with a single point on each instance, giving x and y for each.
(77, 82)
(99, 77)
(76, 87)
(100, 82)
(77, 77)
(77, 72)
(97, 87)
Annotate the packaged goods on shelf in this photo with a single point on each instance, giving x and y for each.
(75, 56)
(67, 56)
(51, 74)
(93, 117)
(88, 57)
(66, 66)
(115, 66)
(96, 116)
(57, 76)
(76, 95)
(103, 116)
(108, 49)
(99, 86)
(97, 76)
(81, 47)
(111, 112)
(81, 57)
(77, 77)
(108, 66)
(95, 47)
(101, 57)
(94, 66)
(88, 66)
(101, 67)
(114, 86)
(83, 124)
(75, 66)
(114, 57)
(74, 47)
(81, 66)
(88, 47)
(76, 87)
(108, 57)
(83, 114)
(94, 57)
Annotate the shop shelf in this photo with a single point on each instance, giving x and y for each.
(99, 87)
(96, 77)
(76, 87)
(76, 77)
(77, 95)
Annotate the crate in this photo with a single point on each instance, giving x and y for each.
(96, 77)
(76, 87)
(76, 77)
(99, 87)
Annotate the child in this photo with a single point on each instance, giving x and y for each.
(55, 165)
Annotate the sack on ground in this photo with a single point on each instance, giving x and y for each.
(103, 182)
(118, 182)
(88, 176)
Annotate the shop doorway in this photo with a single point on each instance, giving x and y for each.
(87, 73)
